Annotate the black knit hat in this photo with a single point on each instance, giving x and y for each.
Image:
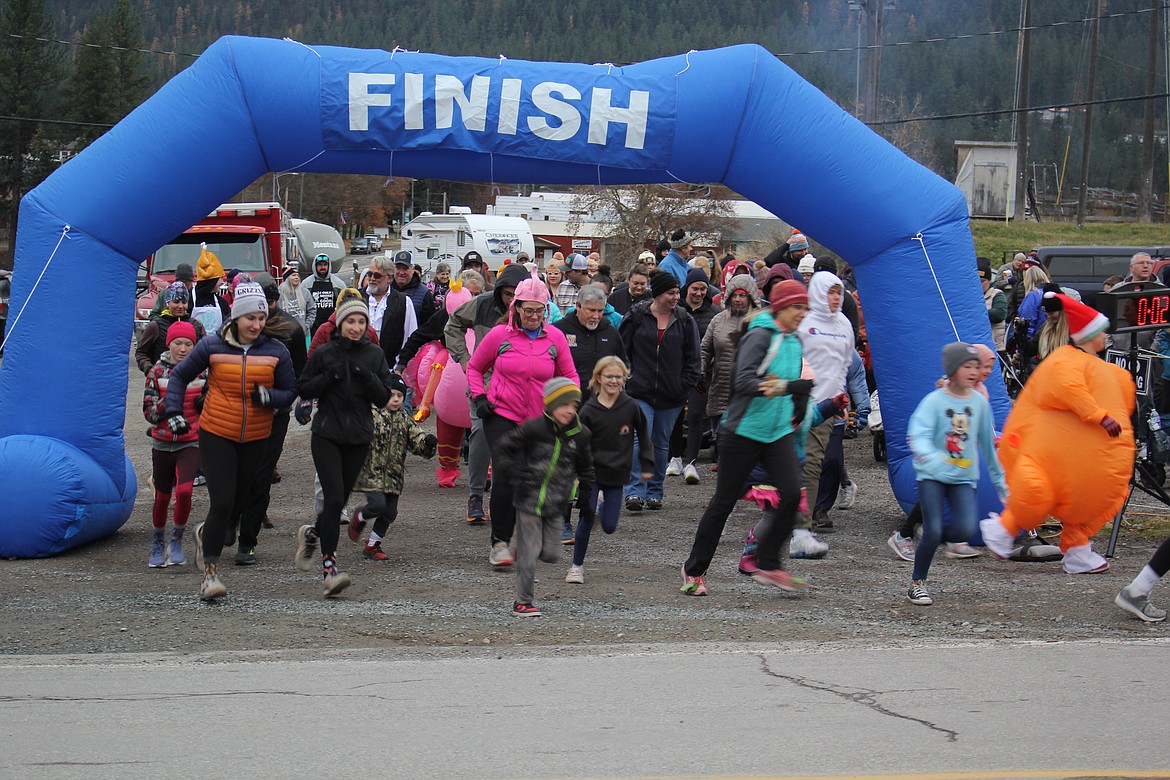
(662, 282)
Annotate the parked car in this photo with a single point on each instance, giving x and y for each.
(359, 246)
(375, 242)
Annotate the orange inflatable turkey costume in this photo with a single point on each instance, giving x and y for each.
(1067, 447)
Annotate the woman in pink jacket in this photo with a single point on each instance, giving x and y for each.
(506, 377)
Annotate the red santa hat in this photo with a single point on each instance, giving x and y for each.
(1084, 322)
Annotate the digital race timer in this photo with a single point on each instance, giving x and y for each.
(1136, 306)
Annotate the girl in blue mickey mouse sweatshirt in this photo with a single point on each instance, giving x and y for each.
(949, 430)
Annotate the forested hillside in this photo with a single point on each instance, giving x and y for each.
(817, 38)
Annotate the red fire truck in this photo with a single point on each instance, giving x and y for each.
(250, 237)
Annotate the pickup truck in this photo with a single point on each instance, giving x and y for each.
(375, 242)
(1085, 268)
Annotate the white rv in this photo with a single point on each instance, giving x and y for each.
(436, 238)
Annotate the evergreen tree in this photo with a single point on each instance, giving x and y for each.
(29, 69)
(125, 34)
(91, 86)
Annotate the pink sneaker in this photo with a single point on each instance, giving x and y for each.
(693, 586)
(778, 578)
(747, 565)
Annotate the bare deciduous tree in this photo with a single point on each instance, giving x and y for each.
(638, 216)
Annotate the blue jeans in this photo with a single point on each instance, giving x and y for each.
(611, 510)
(660, 422)
(932, 496)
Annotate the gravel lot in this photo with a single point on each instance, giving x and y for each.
(437, 589)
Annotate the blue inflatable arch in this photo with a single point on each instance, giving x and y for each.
(249, 106)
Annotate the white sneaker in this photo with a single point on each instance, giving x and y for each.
(501, 555)
(847, 495)
(961, 550)
(996, 537)
(576, 575)
(805, 545)
(691, 474)
(674, 468)
(904, 548)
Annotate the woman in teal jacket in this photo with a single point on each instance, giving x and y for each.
(767, 407)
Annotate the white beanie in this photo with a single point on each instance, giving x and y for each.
(249, 298)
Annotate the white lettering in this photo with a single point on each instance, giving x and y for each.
(570, 118)
(602, 114)
(414, 101)
(509, 106)
(556, 111)
(361, 99)
(473, 109)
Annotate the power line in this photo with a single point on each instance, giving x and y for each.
(905, 120)
(1000, 112)
(165, 52)
(53, 121)
(968, 36)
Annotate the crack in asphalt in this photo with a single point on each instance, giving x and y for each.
(864, 697)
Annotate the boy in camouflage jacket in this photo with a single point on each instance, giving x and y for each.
(395, 433)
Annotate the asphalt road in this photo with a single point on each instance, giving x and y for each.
(1080, 709)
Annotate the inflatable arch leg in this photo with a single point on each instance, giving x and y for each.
(248, 106)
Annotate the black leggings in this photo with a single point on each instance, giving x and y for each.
(503, 512)
(256, 505)
(696, 424)
(1160, 563)
(383, 507)
(229, 468)
(338, 467)
(737, 457)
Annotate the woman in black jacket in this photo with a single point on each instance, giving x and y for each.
(345, 375)
(662, 344)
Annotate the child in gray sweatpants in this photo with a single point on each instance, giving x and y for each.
(547, 455)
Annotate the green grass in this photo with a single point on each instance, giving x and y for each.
(994, 238)
(1144, 525)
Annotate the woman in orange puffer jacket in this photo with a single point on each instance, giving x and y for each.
(249, 375)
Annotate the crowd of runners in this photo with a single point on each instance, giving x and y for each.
(579, 397)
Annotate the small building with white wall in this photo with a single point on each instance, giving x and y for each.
(987, 177)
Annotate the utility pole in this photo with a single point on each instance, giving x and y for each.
(1094, 37)
(1145, 213)
(1023, 58)
(875, 13)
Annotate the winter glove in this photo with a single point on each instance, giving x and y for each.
(303, 411)
(430, 445)
(1111, 426)
(799, 387)
(799, 406)
(261, 395)
(178, 424)
(483, 407)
